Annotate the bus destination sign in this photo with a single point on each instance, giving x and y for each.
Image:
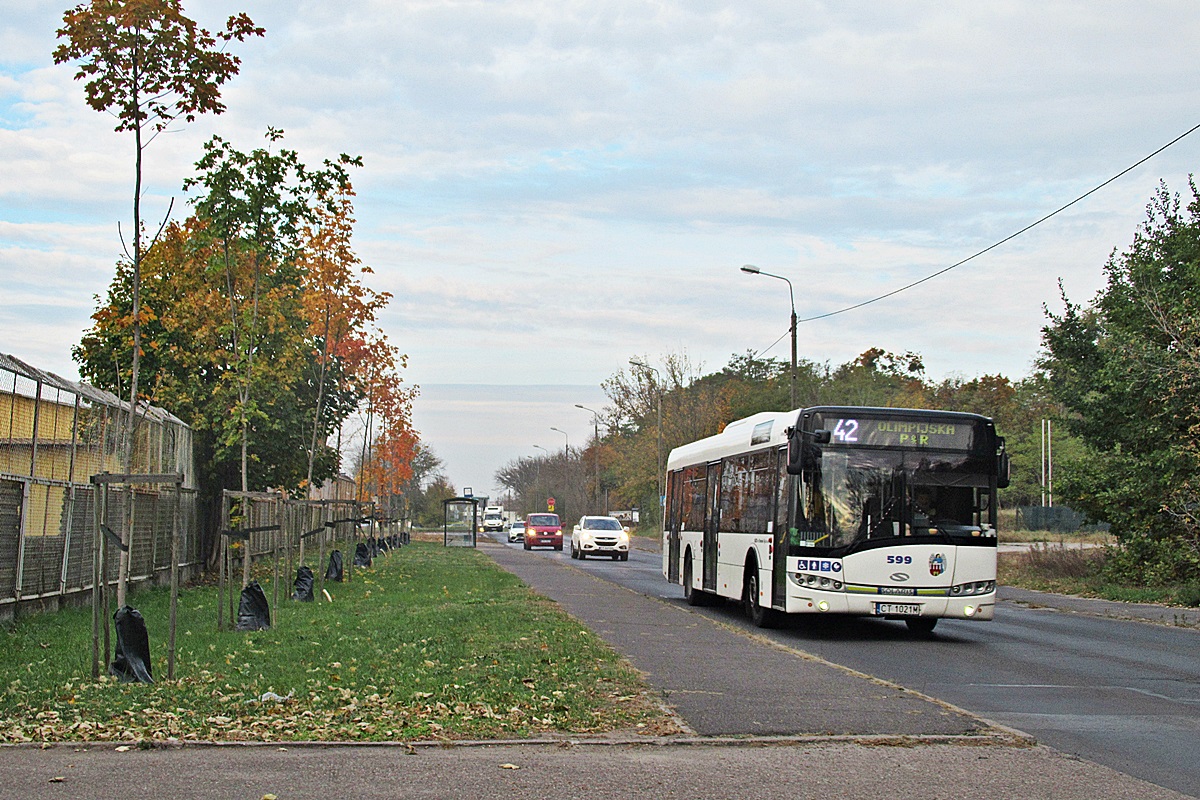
(908, 433)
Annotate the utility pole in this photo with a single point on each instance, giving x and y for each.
(596, 448)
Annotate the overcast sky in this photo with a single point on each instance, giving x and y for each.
(551, 186)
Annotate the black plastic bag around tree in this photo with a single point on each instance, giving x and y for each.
(362, 555)
(253, 612)
(302, 587)
(334, 571)
(373, 547)
(131, 660)
(384, 544)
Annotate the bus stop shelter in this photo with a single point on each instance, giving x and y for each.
(460, 521)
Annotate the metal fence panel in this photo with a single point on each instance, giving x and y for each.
(11, 497)
(55, 434)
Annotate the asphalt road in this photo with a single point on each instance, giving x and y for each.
(1120, 693)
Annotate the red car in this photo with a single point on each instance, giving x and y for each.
(543, 530)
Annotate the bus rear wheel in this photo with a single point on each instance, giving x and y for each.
(921, 626)
(693, 597)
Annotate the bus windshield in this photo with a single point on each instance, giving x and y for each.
(857, 495)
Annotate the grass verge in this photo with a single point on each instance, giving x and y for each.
(1074, 571)
(430, 642)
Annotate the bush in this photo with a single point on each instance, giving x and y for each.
(1150, 561)
(1188, 595)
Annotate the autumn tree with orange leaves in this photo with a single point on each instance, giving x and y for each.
(317, 358)
(389, 441)
(337, 306)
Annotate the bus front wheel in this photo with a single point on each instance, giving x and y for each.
(760, 616)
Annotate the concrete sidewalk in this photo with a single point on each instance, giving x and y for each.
(726, 682)
(828, 770)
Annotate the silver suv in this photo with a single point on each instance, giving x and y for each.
(600, 536)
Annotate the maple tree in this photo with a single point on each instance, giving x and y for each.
(385, 462)
(335, 303)
(191, 351)
(148, 64)
(256, 205)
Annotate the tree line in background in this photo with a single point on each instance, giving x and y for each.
(626, 462)
(1119, 380)
(250, 319)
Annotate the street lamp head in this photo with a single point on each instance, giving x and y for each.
(751, 269)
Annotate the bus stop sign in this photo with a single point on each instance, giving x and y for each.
(549, 503)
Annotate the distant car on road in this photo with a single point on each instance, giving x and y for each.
(516, 531)
(543, 530)
(600, 536)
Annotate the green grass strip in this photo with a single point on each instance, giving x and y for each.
(430, 642)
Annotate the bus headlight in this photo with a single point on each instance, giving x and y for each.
(806, 581)
(973, 588)
(969, 611)
(823, 605)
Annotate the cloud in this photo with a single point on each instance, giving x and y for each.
(553, 186)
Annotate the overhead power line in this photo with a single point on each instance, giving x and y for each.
(991, 247)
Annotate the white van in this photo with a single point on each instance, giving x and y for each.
(493, 519)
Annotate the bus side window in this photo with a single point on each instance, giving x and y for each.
(674, 498)
(693, 498)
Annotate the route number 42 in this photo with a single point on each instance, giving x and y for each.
(846, 431)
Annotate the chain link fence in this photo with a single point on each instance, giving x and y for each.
(55, 434)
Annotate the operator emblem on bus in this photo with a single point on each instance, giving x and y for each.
(937, 564)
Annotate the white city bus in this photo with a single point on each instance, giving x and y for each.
(840, 510)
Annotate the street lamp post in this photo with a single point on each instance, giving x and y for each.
(566, 445)
(596, 446)
(658, 458)
(537, 481)
(750, 269)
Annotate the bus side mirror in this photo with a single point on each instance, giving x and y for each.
(1003, 466)
(803, 452)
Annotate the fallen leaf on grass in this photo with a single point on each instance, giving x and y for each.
(57, 779)
(509, 766)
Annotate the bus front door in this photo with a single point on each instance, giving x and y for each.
(711, 525)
